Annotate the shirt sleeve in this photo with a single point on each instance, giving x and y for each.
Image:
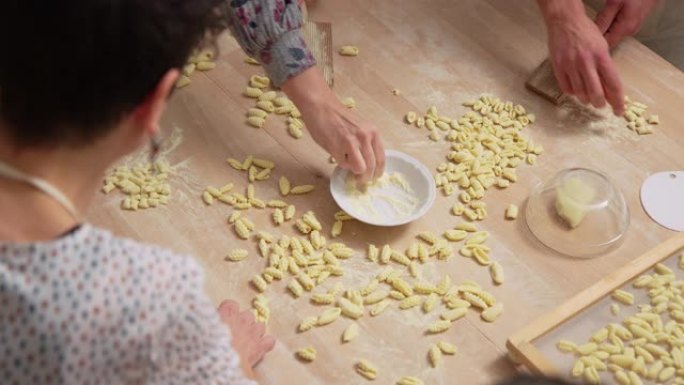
(195, 346)
(270, 30)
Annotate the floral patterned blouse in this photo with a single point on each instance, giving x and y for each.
(270, 30)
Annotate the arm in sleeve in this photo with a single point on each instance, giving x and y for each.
(270, 30)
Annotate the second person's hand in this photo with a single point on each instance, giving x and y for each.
(622, 18)
(580, 56)
(353, 142)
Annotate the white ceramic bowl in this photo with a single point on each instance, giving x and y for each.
(417, 175)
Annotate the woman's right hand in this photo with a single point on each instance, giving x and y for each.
(248, 336)
(580, 55)
(353, 142)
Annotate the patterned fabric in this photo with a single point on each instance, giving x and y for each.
(270, 30)
(91, 308)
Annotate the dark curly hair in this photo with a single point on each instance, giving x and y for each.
(72, 69)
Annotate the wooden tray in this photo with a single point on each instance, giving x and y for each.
(521, 346)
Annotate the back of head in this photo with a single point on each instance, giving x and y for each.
(72, 69)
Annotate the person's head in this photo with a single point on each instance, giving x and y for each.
(75, 72)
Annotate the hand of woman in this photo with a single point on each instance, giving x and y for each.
(581, 57)
(248, 336)
(353, 142)
(622, 18)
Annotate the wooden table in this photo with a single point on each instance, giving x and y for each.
(437, 52)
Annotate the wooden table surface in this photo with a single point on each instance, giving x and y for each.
(437, 52)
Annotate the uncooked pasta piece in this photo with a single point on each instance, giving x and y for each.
(189, 69)
(295, 287)
(343, 252)
(307, 283)
(205, 66)
(382, 277)
(349, 50)
(307, 354)
(474, 300)
(322, 299)
(465, 226)
(586, 349)
(329, 316)
(424, 288)
(434, 355)
(373, 253)
(430, 302)
(497, 273)
(511, 212)
(385, 254)
(624, 297)
(336, 230)
(591, 376)
(454, 314)
(307, 324)
(455, 235)
(402, 286)
(107, 188)
(183, 81)
(207, 198)
(410, 302)
(241, 229)
(226, 188)
(458, 209)
(414, 269)
(447, 348)
(350, 333)
(284, 186)
(310, 219)
(350, 309)
(266, 106)
(349, 102)
(303, 189)
(566, 346)
(409, 380)
(268, 96)
(252, 61)
(400, 258)
(249, 225)
(236, 164)
(428, 237)
(477, 238)
(492, 313)
(256, 121)
(258, 81)
(289, 212)
(294, 131)
(234, 217)
(259, 283)
(378, 308)
(252, 92)
(439, 327)
(366, 369)
(443, 285)
(375, 297)
(237, 255)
